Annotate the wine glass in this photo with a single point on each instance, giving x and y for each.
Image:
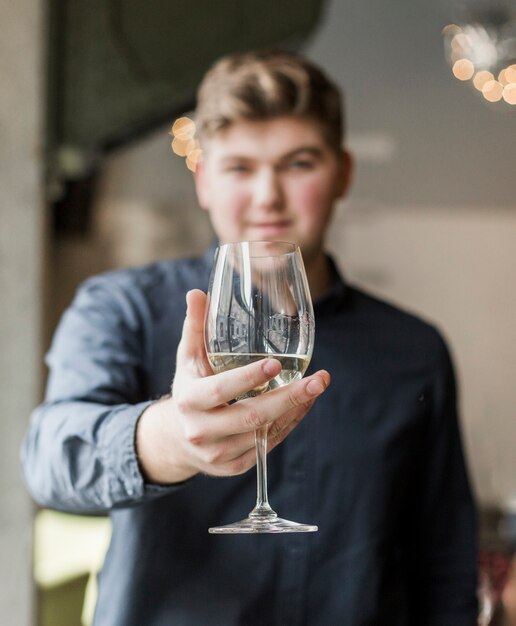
(259, 306)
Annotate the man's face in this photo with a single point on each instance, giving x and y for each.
(272, 180)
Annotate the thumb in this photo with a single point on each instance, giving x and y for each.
(191, 349)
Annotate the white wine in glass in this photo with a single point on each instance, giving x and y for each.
(259, 306)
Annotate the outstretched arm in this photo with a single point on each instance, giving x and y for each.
(98, 443)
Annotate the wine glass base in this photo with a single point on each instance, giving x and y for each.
(253, 525)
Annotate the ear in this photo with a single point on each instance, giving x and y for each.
(202, 185)
(347, 168)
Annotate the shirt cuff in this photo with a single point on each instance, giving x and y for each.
(126, 485)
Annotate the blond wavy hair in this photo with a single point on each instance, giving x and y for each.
(264, 85)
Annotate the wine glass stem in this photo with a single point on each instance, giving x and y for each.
(262, 508)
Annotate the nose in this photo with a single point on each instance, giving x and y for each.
(268, 192)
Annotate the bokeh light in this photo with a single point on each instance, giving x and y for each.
(193, 159)
(492, 91)
(502, 78)
(481, 78)
(509, 93)
(460, 42)
(510, 73)
(483, 52)
(183, 127)
(451, 29)
(184, 143)
(463, 69)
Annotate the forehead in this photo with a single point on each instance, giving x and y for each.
(272, 138)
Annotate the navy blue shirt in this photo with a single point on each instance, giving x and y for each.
(377, 464)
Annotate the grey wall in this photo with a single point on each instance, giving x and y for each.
(21, 259)
(449, 147)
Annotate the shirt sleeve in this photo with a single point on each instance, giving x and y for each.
(79, 452)
(441, 540)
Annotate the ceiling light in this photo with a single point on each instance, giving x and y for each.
(482, 47)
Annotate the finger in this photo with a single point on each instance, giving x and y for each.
(231, 448)
(213, 391)
(253, 413)
(295, 397)
(191, 347)
(238, 453)
(285, 424)
(223, 451)
(238, 465)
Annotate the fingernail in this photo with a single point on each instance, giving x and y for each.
(314, 388)
(270, 367)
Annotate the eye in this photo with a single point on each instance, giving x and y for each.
(301, 164)
(237, 168)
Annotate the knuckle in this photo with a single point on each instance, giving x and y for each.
(252, 418)
(273, 438)
(301, 407)
(279, 430)
(217, 393)
(183, 404)
(278, 435)
(275, 429)
(294, 398)
(308, 405)
(238, 466)
(213, 455)
(276, 440)
(193, 434)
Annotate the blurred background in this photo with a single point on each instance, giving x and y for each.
(89, 92)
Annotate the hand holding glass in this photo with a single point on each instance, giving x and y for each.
(259, 306)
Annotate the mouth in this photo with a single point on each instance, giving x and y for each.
(271, 227)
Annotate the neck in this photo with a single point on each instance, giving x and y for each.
(319, 275)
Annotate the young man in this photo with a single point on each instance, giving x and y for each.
(377, 463)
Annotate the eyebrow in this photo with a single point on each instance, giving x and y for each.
(312, 150)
